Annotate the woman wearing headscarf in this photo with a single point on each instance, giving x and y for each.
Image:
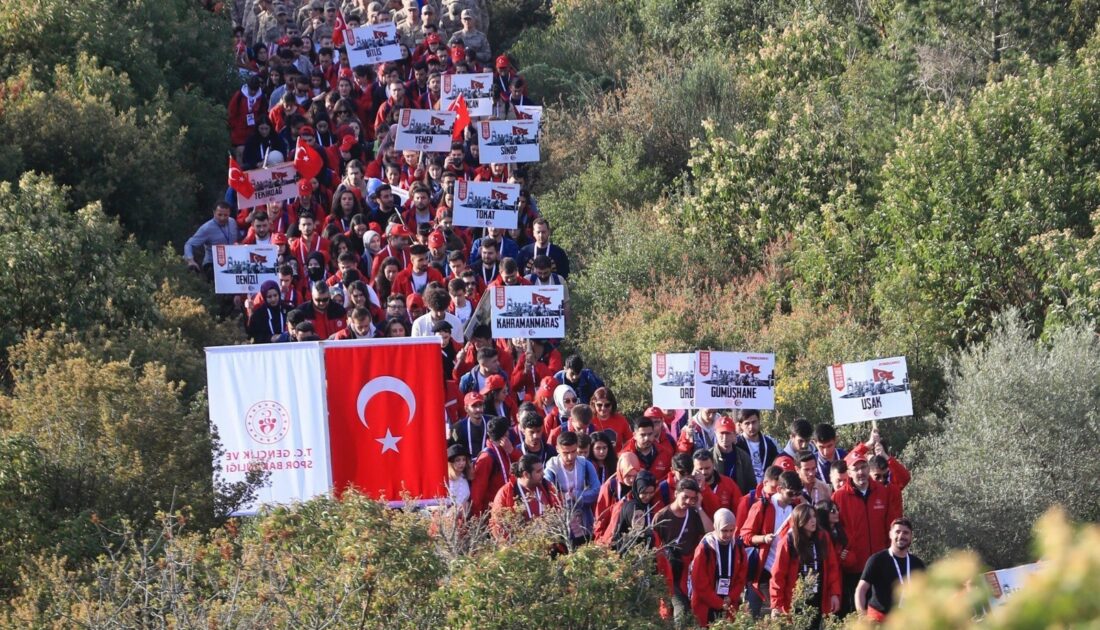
(803, 550)
(614, 490)
(564, 400)
(268, 321)
(718, 571)
(631, 521)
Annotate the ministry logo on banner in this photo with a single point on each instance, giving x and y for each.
(270, 417)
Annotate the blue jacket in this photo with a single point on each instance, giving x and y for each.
(586, 481)
(585, 386)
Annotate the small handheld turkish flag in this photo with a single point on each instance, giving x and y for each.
(307, 161)
(386, 418)
(239, 180)
(338, 29)
(462, 120)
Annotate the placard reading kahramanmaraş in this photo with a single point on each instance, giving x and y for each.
(530, 312)
(871, 390)
(734, 380)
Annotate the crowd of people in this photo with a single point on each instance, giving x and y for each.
(369, 248)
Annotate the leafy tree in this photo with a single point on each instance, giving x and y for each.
(1020, 419)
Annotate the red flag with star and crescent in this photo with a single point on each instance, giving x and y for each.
(307, 161)
(386, 418)
(462, 119)
(239, 180)
(338, 29)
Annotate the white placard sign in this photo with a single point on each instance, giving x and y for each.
(530, 312)
(243, 268)
(424, 130)
(486, 204)
(1004, 582)
(529, 112)
(871, 390)
(477, 90)
(271, 184)
(267, 419)
(372, 44)
(734, 380)
(508, 141)
(673, 378)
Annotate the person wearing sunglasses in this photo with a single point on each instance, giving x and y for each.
(328, 317)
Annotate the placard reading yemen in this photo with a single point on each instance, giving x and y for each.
(477, 90)
(673, 378)
(272, 184)
(243, 268)
(508, 141)
(734, 380)
(486, 204)
(871, 390)
(372, 44)
(529, 312)
(424, 130)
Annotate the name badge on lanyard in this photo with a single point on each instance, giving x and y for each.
(722, 587)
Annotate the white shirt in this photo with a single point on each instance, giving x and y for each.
(464, 313)
(756, 454)
(781, 516)
(460, 491)
(422, 327)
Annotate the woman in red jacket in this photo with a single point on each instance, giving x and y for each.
(718, 571)
(803, 550)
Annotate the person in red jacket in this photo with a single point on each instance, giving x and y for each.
(492, 468)
(718, 572)
(803, 551)
(656, 457)
(528, 494)
(607, 417)
(416, 277)
(614, 490)
(310, 241)
(328, 317)
(246, 107)
(764, 523)
(866, 510)
(719, 491)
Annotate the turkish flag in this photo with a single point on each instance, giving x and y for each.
(881, 375)
(307, 161)
(749, 368)
(386, 418)
(338, 29)
(239, 180)
(462, 120)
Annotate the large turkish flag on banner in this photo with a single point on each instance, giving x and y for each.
(385, 416)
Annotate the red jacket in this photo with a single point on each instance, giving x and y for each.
(760, 521)
(725, 494)
(538, 501)
(469, 361)
(662, 460)
(328, 322)
(611, 492)
(301, 250)
(238, 118)
(704, 577)
(866, 521)
(402, 282)
(785, 574)
(527, 378)
(488, 476)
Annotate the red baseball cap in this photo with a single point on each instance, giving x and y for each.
(305, 188)
(786, 463)
(502, 61)
(400, 230)
(433, 38)
(347, 143)
(278, 238)
(436, 240)
(857, 455)
(306, 130)
(493, 383)
(412, 300)
(546, 387)
(473, 398)
(725, 424)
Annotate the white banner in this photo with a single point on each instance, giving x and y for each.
(528, 311)
(871, 390)
(267, 404)
(272, 184)
(734, 380)
(372, 44)
(476, 88)
(673, 378)
(486, 204)
(508, 142)
(243, 268)
(1004, 582)
(424, 130)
